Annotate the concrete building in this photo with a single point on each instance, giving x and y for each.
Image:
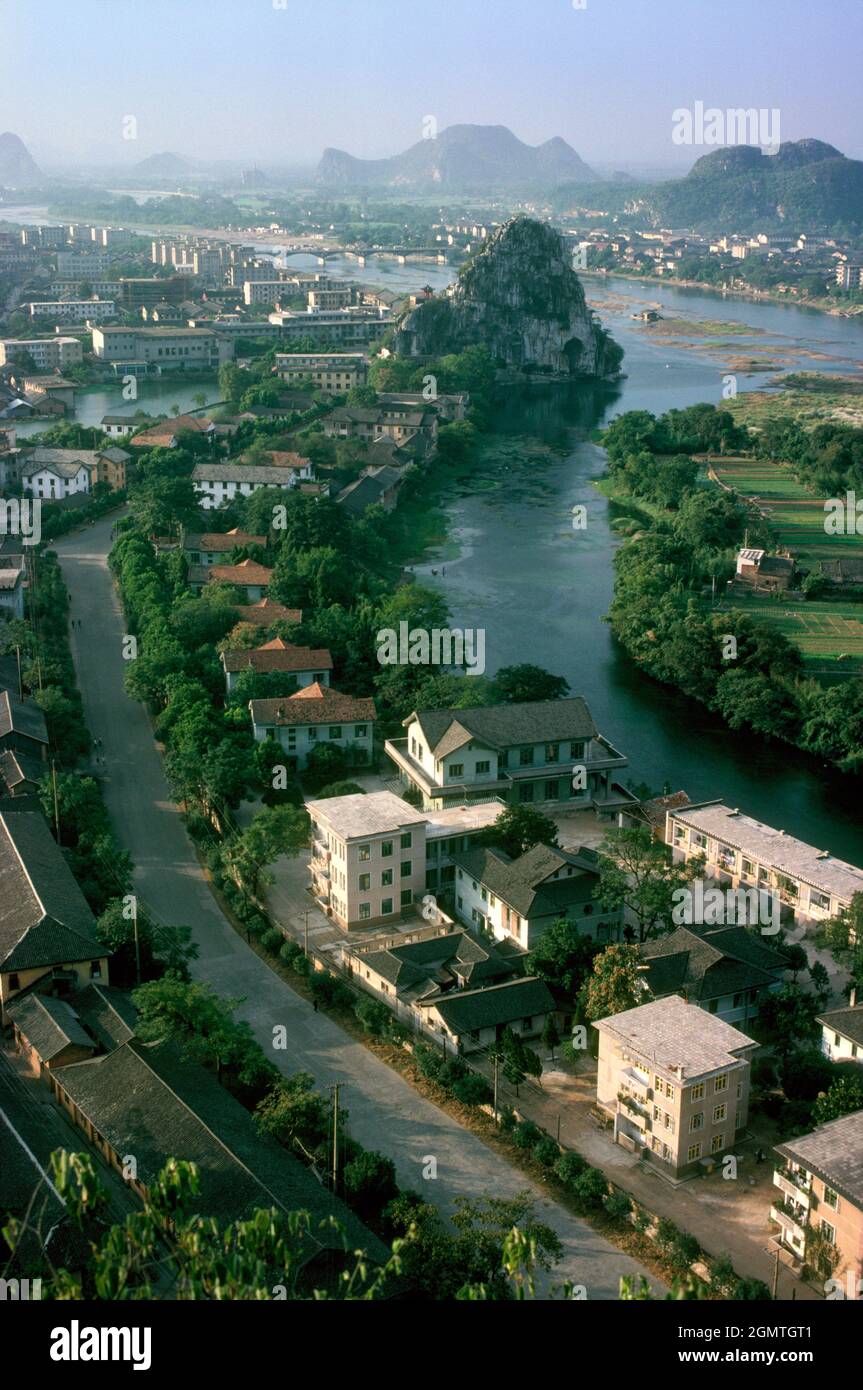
(83, 265)
(162, 349)
(821, 1186)
(538, 751)
(11, 589)
(313, 716)
(73, 310)
(675, 1081)
(842, 1032)
(335, 372)
(354, 327)
(811, 883)
(305, 665)
(770, 573)
(48, 353)
(216, 483)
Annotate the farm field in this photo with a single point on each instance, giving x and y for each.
(828, 634)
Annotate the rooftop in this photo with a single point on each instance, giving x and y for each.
(244, 473)
(355, 816)
(835, 1153)
(847, 1021)
(468, 1010)
(278, 655)
(314, 704)
(679, 1039)
(44, 917)
(501, 726)
(783, 852)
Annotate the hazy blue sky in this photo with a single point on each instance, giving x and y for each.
(281, 79)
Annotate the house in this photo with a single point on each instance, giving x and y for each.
(773, 573)
(47, 1032)
(55, 478)
(375, 486)
(726, 970)
(147, 1100)
(842, 1032)
(306, 665)
(845, 572)
(389, 422)
(110, 468)
(472, 1020)
(314, 716)
(205, 548)
(812, 884)
(216, 483)
(167, 434)
(248, 575)
(449, 407)
(22, 726)
(354, 838)
(47, 931)
(54, 387)
(675, 1080)
(120, 426)
(652, 812)
(266, 612)
(518, 899)
(535, 752)
(821, 1182)
(20, 773)
(409, 971)
(11, 589)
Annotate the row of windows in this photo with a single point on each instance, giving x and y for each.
(365, 880)
(334, 732)
(387, 908)
(386, 846)
(694, 1151)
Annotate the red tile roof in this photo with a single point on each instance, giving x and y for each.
(314, 704)
(279, 656)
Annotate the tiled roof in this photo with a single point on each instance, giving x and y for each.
(279, 656)
(680, 1039)
(708, 965)
(314, 704)
(108, 1014)
(242, 473)
(524, 883)
(835, 1153)
(221, 540)
(847, 1021)
(246, 572)
(267, 611)
(44, 916)
(17, 767)
(467, 1010)
(48, 1024)
(21, 717)
(502, 726)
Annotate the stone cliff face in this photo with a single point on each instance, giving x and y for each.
(520, 298)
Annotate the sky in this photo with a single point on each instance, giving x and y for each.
(279, 80)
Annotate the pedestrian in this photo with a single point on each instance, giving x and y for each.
(315, 1005)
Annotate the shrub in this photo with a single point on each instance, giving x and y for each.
(804, 1074)
(369, 1183)
(472, 1090)
(546, 1152)
(569, 1167)
(525, 1134)
(430, 1062)
(590, 1188)
(289, 952)
(374, 1016)
(272, 940)
(617, 1206)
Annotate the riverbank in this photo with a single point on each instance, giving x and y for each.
(826, 306)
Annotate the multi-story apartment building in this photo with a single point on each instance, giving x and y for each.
(675, 1080)
(335, 372)
(375, 422)
(83, 265)
(168, 349)
(266, 291)
(313, 716)
(821, 1202)
(73, 310)
(331, 297)
(47, 353)
(360, 845)
(538, 751)
(354, 327)
(812, 884)
(216, 483)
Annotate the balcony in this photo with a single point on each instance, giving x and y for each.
(793, 1185)
(633, 1110)
(789, 1219)
(636, 1085)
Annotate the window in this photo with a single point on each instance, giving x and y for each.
(720, 1083)
(552, 752)
(576, 750)
(386, 878)
(525, 792)
(313, 734)
(525, 757)
(696, 1121)
(363, 852)
(407, 897)
(483, 892)
(365, 912)
(405, 840)
(697, 1091)
(693, 1152)
(386, 848)
(361, 730)
(828, 1231)
(387, 906)
(551, 790)
(719, 1113)
(14, 982)
(669, 1090)
(335, 731)
(365, 882)
(456, 769)
(717, 1143)
(407, 868)
(831, 1198)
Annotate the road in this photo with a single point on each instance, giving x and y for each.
(385, 1112)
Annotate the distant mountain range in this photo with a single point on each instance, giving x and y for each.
(17, 166)
(807, 183)
(461, 157)
(162, 166)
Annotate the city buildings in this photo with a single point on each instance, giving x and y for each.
(675, 1080)
(335, 372)
(48, 354)
(73, 310)
(161, 349)
(216, 483)
(821, 1202)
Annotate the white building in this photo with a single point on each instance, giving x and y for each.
(73, 310)
(336, 372)
(83, 265)
(47, 353)
(741, 852)
(216, 483)
(842, 1032)
(162, 349)
(312, 716)
(54, 480)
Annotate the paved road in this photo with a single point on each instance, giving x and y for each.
(385, 1112)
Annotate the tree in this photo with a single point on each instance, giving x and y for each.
(519, 828)
(562, 957)
(272, 832)
(615, 983)
(787, 1018)
(844, 1097)
(369, 1183)
(640, 877)
(294, 1113)
(519, 684)
(550, 1035)
(204, 1028)
(843, 936)
(518, 1060)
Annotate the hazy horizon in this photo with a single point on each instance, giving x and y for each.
(250, 80)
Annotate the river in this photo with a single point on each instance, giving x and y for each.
(515, 566)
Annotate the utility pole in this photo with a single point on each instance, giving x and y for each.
(56, 804)
(335, 1090)
(775, 1273)
(494, 1103)
(306, 932)
(137, 948)
(20, 682)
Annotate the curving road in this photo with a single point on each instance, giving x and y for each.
(386, 1113)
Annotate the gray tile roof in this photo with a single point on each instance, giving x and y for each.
(847, 1021)
(21, 717)
(16, 767)
(708, 965)
(243, 473)
(468, 1010)
(108, 1014)
(503, 726)
(834, 1152)
(439, 960)
(524, 883)
(48, 1024)
(44, 917)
